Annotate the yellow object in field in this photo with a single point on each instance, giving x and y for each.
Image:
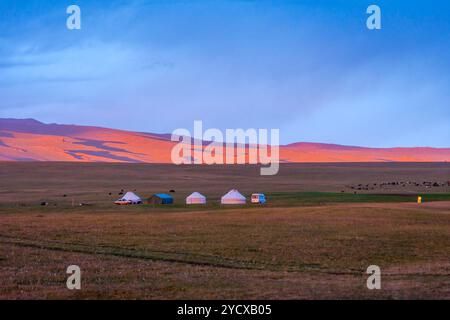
(419, 199)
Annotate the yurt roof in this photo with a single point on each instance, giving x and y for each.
(196, 195)
(234, 194)
(131, 196)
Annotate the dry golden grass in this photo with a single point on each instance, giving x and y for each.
(277, 252)
(258, 253)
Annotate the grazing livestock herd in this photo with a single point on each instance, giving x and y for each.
(393, 184)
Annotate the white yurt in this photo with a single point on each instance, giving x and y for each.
(233, 197)
(196, 198)
(130, 197)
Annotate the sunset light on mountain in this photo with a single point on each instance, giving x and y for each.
(30, 140)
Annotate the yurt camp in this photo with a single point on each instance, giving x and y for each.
(129, 198)
(160, 198)
(233, 197)
(196, 198)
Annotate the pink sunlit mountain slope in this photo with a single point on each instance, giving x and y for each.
(31, 140)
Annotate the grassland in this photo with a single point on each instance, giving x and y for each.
(311, 240)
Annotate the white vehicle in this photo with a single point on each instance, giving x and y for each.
(258, 198)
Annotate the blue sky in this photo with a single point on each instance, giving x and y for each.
(310, 68)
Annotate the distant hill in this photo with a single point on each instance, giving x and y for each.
(31, 140)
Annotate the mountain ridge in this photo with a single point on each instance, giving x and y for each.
(32, 140)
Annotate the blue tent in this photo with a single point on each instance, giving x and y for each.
(160, 198)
